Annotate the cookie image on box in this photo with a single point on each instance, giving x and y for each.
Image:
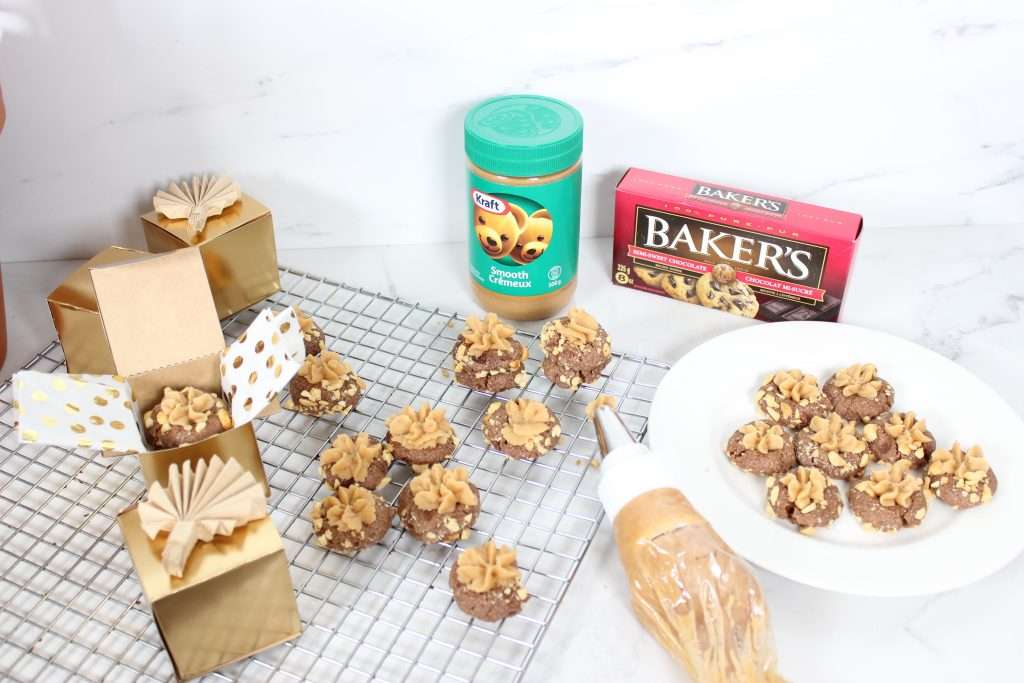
(534, 238)
(498, 233)
(681, 287)
(761, 447)
(961, 479)
(649, 276)
(720, 290)
(888, 498)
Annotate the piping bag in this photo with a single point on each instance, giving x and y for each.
(687, 587)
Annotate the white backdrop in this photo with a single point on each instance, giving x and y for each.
(345, 118)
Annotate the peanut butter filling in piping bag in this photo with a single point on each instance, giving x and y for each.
(687, 587)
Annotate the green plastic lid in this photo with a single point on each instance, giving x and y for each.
(524, 136)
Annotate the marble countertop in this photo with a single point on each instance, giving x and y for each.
(957, 290)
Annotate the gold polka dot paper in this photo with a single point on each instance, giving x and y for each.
(76, 411)
(261, 362)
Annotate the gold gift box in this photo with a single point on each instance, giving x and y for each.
(77, 319)
(162, 330)
(238, 251)
(234, 599)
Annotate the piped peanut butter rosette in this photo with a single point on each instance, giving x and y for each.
(421, 436)
(805, 497)
(198, 503)
(521, 428)
(488, 357)
(439, 504)
(487, 584)
(761, 447)
(185, 416)
(889, 498)
(362, 460)
(324, 385)
(959, 478)
(833, 445)
(858, 393)
(899, 436)
(576, 349)
(351, 519)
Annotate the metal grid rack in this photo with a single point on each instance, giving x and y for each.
(71, 608)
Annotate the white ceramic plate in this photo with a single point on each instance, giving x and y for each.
(708, 394)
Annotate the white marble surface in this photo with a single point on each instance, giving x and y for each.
(346, 117)
(959, 292)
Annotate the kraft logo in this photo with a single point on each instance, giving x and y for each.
(489, 203)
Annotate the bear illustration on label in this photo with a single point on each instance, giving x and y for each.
(499, 232)
(534, 237)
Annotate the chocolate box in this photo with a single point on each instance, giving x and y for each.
(238, 250)
(235, 598)
(776, 259)
(77, 320)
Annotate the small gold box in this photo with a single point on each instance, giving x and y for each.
(234, 600)
(77, 319)
(238, 249)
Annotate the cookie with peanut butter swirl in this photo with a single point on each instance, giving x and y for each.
(576, 349)
(899, 436)
(420, 436)
(351, 519)
(858, 393)
(959, 478)
(488, 357)
(792, 398)
(362, 460)
(325, 385)
(762, 447)
(889, 498)
(487, 584)
(521, 428)
(185, 416)
(805, 497)
(439, 505)
(833, 445)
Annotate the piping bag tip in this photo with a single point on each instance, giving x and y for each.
(612, 432)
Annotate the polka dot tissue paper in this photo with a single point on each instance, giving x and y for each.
(77, 411)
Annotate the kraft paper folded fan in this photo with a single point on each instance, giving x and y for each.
(212, 566)
(162, 331)
(236, 240)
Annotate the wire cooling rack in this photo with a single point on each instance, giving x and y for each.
(71, 608)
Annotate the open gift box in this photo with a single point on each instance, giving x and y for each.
(212, 566)
(162, 331)
(236, 243)
(77, 318)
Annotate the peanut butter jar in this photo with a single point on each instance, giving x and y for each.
(524, 174)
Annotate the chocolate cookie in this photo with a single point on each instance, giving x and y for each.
(439, 505)
(899, 436)
(805, 497)
(682, 287)
(325, 385)
(363, 460)
(959, 479)
(185, 416)
(721, 290)
(486, 583)
(832, 445)
(761, 447)
(576, 349)
(649, 276)
(889, 498)
(351, 519)
(521, 428)
(312, 336)
(792, 398)
(858, 393)
(420, 436)
(488, 357)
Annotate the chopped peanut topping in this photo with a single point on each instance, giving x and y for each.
(440, 489)
(420, 428)
(189, 408)
(487, 567)
(329, 370)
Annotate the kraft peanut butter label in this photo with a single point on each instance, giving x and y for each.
(524, 240)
